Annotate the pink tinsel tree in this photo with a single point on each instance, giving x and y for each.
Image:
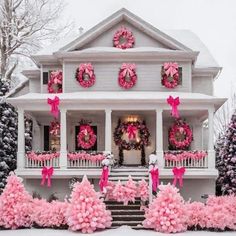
(167, 212)
(87, 212)
(142, 191)
(119, 192)
(110, 188)
(130, 191)
(15, 204)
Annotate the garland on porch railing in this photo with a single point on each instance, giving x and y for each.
(73, 156)
(42, 156)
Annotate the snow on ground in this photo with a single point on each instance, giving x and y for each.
(121, 231)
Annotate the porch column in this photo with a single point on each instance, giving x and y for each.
(108, 130)
(211, 151)
(21, 140)
(159, 138)
(63, 140)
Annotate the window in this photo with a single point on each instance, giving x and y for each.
(46, 138)
(50, 143)
(45, 77)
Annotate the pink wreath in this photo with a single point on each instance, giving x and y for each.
(54, 128)
(86, 137)
(183, 129)
(123, 38)
(55, 82)
(85, 75)
(127, 76)
(170, 75)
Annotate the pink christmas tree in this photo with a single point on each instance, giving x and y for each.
(15, 204)
(87, 212)
(167, 212)
(110, 188)
(142, 191)
(130, 191)
(119, 192)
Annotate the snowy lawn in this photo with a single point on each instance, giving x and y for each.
(122, 231)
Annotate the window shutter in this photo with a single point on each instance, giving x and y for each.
(46, 138)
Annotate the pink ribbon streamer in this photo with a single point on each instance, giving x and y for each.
(155, 178)
(131, 130)
(87, 68)
(128, 69)
(54, 103)
(46, 175)
(171, 68)
(178, 175)
(174, 102)
(104, 178)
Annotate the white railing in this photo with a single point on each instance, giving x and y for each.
(39, 164)
(83, 164)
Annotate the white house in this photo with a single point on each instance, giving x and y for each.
(106, 102)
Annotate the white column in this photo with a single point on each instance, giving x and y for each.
(159, 138)
(211, 152)
(63, 140)
(108, 130)
(21, 140)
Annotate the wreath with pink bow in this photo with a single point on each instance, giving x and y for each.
(170, 75)
(55, 82)
(180, 135)
(127, 76)
(54, 129)
(123, 38)
(85, 75)
(86, 137)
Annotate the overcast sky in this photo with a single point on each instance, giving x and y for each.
(214, 21)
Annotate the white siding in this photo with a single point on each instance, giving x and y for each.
(203, 85)
(34, 85)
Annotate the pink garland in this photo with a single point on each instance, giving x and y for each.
(55, 79)
(123, 34)
(55, 128)
(89, 71)
(127, 70)
(42, 156)
(85, 156)
(184, 155)
(170, 70)
(86, 130)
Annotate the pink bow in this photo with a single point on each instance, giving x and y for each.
(57, 77)
(171, 68)
(104, 178)
(155, 178)
(131, 130)
(85, 129)
(178, 175)
(174, 102)
(54, 103)
(46, 174)
(128, 69)
(87, 68)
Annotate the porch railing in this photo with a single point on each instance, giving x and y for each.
(30, 163)
(83, 164)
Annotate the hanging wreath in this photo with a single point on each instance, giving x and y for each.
(86, 137)
(180, 135)
(123, 38)
(85, 75)
(54, 129)
(127, 76)
(170, 75)
(55, 82)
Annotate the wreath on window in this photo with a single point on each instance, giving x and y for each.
(85, 75)
(123, 38)
(180, 135)
(86, 137)
(127, 76)
(54, 129)
(131, 135)
(170, 75)
(55, 82)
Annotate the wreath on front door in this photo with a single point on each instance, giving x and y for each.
(86, 137)
(180, 135)
(137, 137)
(123, 38)
(85, 75)
(127, 76)
(170, 75)
(55, 82)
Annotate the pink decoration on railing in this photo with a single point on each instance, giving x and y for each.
(46, 175)
(128, 69)
(42, 156)
(104, 178)
(54, 103)
(131, 130)
(174, 102)
(85, 156)
(170, 68)
(155, 178)
(178, 175)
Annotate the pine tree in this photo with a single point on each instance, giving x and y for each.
(4, 87)
(87, 212)
(142, 191)
(15, 204)
(226, 159)
(130, 191)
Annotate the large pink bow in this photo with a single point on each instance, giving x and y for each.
(104, 178)
(128, 69)
(85, 129)
(54, 103)
(57, 77)
(178, 175)
(46, 174)
(155, 178)
(171, 68)
(87, 68)
(174, 102)
(131, 130)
